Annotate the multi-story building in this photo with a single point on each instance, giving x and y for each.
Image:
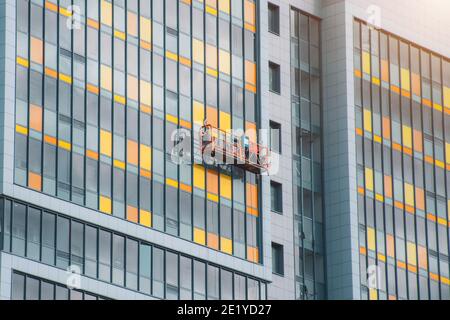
(356, 95)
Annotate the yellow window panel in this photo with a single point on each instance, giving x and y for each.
(212, 197)
(371, 239)
(409, 194)
(106, 13)
(120, 99)
(367, 120)
(224, 6)
(373, 294)
(447, 152)
(65, 145)
(407, 137)
(106, 77)
(119, 164)
(366, 62)
(448, 209)
(171, 56)
(23, 62)
(198, 51)
(199, 236)
(105, 143)
(146, 157)
(226, 245)
(146, 30)
(412, 255)
(172, 183)
(199, 113)
(145, 218)
(199, 177)
(225, 121)
(146, 93)
(369, 179)
(225, 186)
(447, 97)
(105, 205)
(406, 85)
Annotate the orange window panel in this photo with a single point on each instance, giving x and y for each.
(224, 62)
(386, 128)
(224, 6)
(36, 50)
(213, 241)
(132, 87)
(132, 24)
(211, 3)
(213, 182)
(253, 254)
(36, 118)
(250, 12)
(415, 81)
(252, 195)
(211, 116)
(250, 131)
(211, 56)
(384, 70)
(423, 262)
(106, 77)
(420, 199)
(250, 72)
(390, 245)
(132, 214)
(35, 181)
(132, 152)
(418, 143)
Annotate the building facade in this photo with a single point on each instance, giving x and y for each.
(355, 97)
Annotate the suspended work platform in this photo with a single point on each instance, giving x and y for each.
(224, 148)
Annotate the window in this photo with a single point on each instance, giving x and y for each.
(276, 197)
(274, 77)
(277, 259)
(118, 260)
(274, 18)
(131, 264)
(275, 137)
